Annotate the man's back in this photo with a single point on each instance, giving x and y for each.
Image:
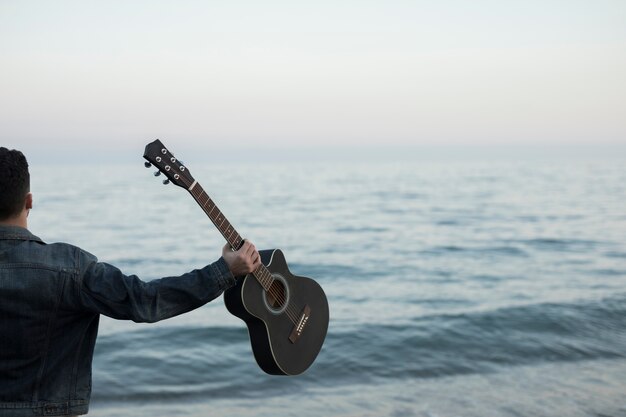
(47, 339)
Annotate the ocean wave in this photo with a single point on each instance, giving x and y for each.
(362, 229)
(198, 362)
(555, 244)
(471, 251)
(441, 345)
(322, 272)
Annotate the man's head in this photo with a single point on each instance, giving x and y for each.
(15, 194)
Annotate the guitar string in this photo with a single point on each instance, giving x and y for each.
(261, 273)
(292, 314)
(277, 294)
(261, 270)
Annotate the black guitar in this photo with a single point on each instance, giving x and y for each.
(286, 315)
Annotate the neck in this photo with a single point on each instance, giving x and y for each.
(19, 221)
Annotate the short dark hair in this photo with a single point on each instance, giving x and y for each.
(14, 182)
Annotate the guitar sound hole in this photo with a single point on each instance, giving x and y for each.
(277, 296)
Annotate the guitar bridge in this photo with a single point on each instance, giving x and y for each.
(299, 327)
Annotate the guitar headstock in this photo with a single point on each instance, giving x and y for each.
(158, 155)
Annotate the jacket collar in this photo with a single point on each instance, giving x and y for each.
(17, 233)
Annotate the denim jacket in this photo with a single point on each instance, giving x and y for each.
(51, 297)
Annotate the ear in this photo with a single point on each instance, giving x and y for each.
(29, 201)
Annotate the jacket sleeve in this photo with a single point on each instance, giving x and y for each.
(104, 289)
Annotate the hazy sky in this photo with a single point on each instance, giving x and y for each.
(80, 74)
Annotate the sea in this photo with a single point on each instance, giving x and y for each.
(478, 286)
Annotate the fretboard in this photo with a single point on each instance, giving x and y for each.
(220, 221)
(234, 239)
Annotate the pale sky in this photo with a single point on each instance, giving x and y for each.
(208, 74)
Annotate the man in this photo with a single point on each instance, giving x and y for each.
(51, 297)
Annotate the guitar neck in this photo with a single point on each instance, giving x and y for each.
(220, 221)
(234, 239)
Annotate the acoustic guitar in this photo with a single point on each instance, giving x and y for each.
(286, 315)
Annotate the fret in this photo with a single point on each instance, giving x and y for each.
(237, 242)
(199, 194)
(208, 204)
(262, 277)
(209, 210)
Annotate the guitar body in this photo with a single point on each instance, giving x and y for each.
(272, 320)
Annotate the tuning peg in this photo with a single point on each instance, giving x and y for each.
(166, 181)
(157, 173)
(147, 164)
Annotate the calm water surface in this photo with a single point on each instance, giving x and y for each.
(484, 288)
